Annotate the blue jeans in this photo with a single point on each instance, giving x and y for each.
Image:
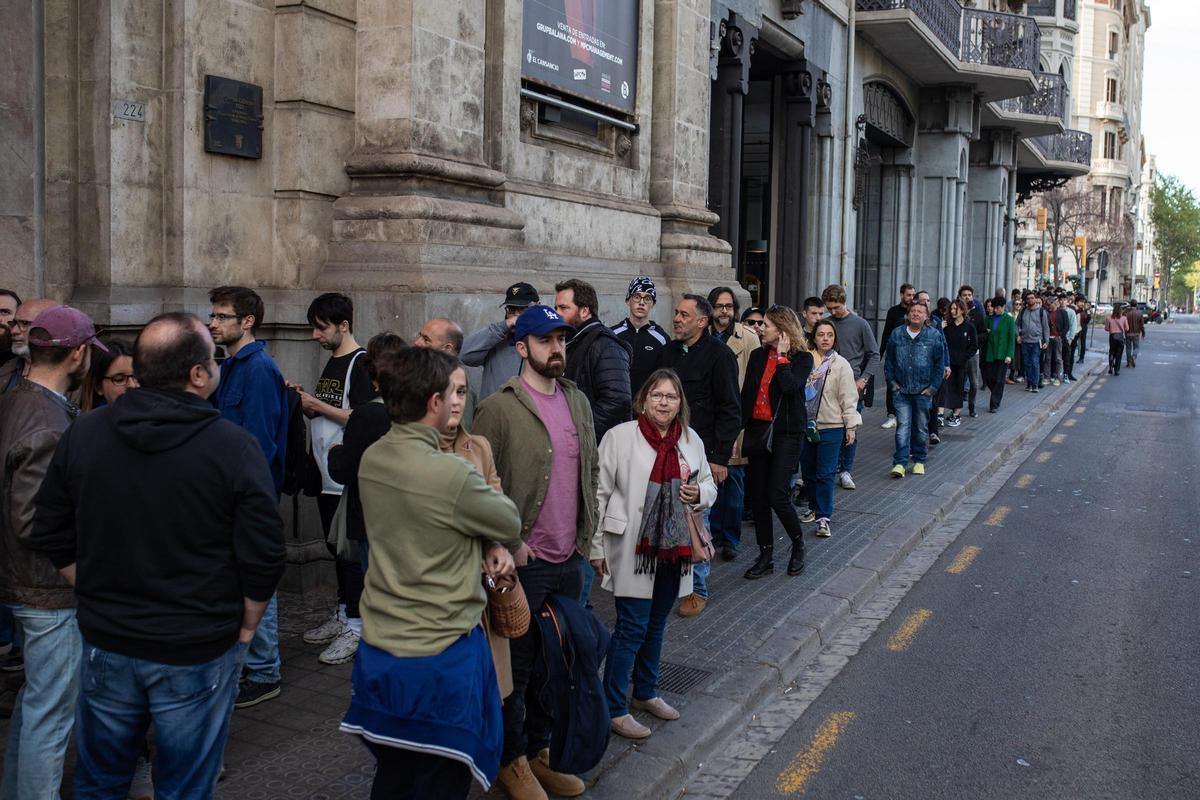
(636, 643)
(700, 571)
(262, 659)
(45, 707)
(846, 457)
(589, 577)
(1031, 356)
(818, 464)
(727, 510)
(912, 428)
(190, 706)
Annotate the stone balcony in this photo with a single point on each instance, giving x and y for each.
(940, 42)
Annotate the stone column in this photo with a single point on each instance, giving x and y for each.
(796, 174)
(729, 91)
(946, 122)
(693, 259)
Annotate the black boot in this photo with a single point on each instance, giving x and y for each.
(796, 560)
(763, 565)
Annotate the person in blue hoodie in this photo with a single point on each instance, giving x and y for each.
(914, 368)
(252, 394)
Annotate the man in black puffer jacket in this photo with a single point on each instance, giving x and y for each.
(597, 361)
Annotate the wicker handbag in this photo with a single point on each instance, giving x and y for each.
(507, 606)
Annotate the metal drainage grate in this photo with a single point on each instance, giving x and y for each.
(678, 679)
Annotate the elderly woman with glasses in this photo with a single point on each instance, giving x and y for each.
(653, 471)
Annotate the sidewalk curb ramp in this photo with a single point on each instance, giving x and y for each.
(657, 768)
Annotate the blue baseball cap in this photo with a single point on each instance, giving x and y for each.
(539, 321)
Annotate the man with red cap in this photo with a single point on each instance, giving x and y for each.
(33, 416)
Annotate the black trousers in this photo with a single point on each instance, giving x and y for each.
(526, 723)
(349, 574)
(1068, 356)
(994, 374)
(408, 775)
(768, 487)
(1116, 346)
(891, 403)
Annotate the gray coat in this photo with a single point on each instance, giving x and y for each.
(491, 347)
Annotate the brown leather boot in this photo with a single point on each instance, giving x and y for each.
(518, 781)
(557, 783)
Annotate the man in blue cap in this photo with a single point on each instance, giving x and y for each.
(540, 428)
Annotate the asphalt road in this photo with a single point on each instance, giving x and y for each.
(1063, 659)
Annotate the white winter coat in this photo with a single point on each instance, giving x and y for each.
(626, 459)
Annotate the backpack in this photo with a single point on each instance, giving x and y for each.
(300, 472)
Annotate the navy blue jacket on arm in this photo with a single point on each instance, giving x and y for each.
(252, 394)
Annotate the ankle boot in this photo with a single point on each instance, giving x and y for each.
(763, 565)
(796, 560)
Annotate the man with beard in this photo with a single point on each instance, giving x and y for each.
(8, 312)
(344, 385)
(33, 416)
(14, 369)
(252, 394)
(540, 429)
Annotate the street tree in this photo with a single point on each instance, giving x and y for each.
(1074, 210)
(1176, 219)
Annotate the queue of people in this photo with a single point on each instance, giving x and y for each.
(586, 453)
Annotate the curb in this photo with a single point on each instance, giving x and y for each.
(656, 769)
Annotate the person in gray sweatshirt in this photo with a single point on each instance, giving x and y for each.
(856, 344)
(1033, 336)
(491, 347)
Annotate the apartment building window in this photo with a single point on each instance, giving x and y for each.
(1110, 90)
(1110, 144)
(1114, 44)
(1102, 198)
(1115, 206)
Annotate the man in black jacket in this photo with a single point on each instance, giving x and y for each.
(975, 316)
(709, 372)
(597, 361)
(164, 517)
(896, 317)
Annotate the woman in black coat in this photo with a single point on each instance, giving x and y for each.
(962, 342)
(774, 419)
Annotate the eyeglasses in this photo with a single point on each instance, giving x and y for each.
(223, 318)
(644, 299)
(22, 323)
(659, 397)
(120, 379)
(723, 307)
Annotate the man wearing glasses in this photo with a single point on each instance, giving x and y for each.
(640, 332)
(16, 368)
(252, 394)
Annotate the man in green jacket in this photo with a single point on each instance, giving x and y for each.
(540, 429)
(1001, 343)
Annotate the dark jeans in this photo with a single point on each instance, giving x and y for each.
(818, 464)
(636, 643)
(768, 480)
(190, 707)
(1068, 357)
(725, 520)
(1031, 355)
(526, 724)
(1116, 346)
(408, 775)
(846, 456)
(349, 574)
(994, 374)
(891, 402)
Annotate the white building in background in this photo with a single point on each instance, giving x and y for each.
(1146, 278)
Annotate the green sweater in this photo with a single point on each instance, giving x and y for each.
(428, 516)
(1002, 341)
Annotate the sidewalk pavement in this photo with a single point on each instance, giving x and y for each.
(717, 667)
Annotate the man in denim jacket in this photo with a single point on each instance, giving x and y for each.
(914, 368)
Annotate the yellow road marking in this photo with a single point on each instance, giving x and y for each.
(997, 517)
(1071, 422)
(809, 760)
(1044, 456)
(1090, 395)
(1058, 438)
(1080, 409)
(1024, 481)
(963, 559)
(905, 634)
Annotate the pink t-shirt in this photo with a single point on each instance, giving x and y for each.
(552, 537)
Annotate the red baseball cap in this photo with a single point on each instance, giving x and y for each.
(64, 327)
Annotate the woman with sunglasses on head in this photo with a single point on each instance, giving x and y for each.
(110, 376)
(774, 420)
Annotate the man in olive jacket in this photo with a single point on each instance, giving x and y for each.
(540, 429)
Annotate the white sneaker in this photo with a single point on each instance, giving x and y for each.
(342, 650)
(327, 631)
(142, 787)
(890, 423)
(846, 481)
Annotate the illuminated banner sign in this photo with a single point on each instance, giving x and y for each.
(587, 48)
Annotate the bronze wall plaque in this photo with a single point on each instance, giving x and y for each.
(233, 117)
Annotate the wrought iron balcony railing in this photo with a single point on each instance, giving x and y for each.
(943, 17)
(997, 39)
(1071, 146)
(1050, 100)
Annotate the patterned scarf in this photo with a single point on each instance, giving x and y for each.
(665, 536)
(815, 386)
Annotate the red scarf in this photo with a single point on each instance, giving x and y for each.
(762, 400)
(664, 535)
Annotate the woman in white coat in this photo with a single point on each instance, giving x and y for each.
(652, 470)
